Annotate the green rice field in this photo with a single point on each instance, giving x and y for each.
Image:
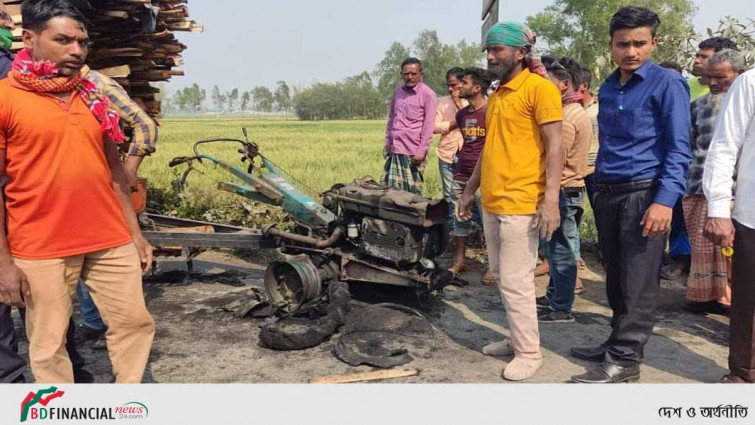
(315, 154)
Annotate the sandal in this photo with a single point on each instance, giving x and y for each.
(579, 288)
(488, 279)
(457, 268)
(734, 379)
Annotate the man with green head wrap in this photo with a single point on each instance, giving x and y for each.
(519, 176)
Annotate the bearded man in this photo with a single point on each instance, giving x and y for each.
(519, 176)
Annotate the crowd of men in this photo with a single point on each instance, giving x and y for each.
(525, 141)
(522, 144)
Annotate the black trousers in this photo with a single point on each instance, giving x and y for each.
(632, 264)
(11, 364)
(742, 312)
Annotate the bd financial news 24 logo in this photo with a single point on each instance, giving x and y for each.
(35, 406)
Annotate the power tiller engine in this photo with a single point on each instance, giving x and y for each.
(361, 232)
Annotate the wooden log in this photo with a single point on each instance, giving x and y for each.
(123, 50)
(367, 376)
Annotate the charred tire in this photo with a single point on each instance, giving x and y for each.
(298, 333)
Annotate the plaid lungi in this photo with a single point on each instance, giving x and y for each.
(401, 173)
(710, 270)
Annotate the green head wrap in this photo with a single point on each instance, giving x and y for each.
(515, 34)
(511, 34)
(6, 38)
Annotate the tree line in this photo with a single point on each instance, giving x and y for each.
(362, 96)
(192, 99)
(579, 29)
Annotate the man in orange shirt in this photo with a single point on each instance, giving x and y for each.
(67, 209)
(519, 176)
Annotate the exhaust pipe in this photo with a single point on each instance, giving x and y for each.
(271, 231)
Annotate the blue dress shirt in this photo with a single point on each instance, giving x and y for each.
(645, 130)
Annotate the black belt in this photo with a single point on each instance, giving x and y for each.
(572, 192)
(625, 187)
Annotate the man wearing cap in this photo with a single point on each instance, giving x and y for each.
(519, 176)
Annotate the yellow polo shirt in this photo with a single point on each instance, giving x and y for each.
(514, 160)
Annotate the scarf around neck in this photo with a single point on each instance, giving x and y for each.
(44, 77)
(575, 97)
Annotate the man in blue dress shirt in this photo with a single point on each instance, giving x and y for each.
(641, 171)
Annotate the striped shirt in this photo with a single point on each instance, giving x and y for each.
(704, 111)
(143, 128)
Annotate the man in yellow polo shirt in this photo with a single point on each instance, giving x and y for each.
(519, 176)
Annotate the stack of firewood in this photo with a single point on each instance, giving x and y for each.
(133, 42)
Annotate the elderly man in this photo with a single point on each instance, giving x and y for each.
(679, 244)
(708, 287)
(733, 150)
(409, 131)
(698, 85)
(69, 210)
(519, 175)
(641, 171)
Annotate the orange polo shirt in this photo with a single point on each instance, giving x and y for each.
(514, 160)
(59, 198)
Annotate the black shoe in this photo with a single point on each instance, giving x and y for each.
(672, 271)
(713, 307)
(542, 302)
(591, 354)
(555, 316)
(82, 376)
(609, 373)
(85, 333)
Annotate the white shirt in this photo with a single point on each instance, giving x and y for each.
(734, 137)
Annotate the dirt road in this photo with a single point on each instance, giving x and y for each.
(198, 340)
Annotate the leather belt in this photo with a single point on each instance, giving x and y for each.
(572, 192)
(616, 188)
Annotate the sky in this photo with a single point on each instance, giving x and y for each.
(247, 43)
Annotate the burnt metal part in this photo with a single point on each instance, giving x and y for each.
(222, 236)
(368, 198)
(297, 280)
(298, 333)
(381, 336)
(271, 231)
(355, 269)
(204, 240)
(391, 240)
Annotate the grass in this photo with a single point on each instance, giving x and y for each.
(315, 154)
